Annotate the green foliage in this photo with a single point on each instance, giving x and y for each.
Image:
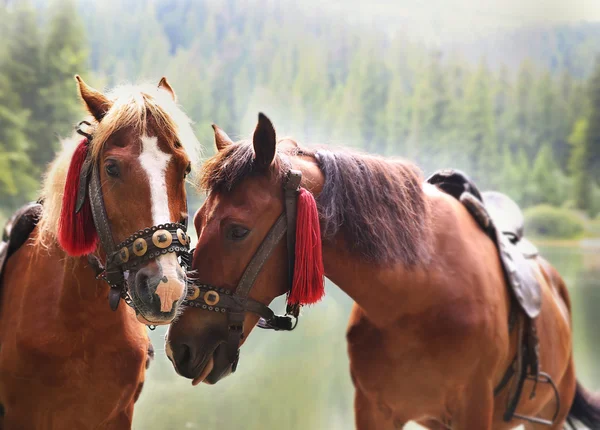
(582, 186)
(65, 55)
(592, 141)
(584, 162)
(321, 81)
(38, 99)
(550, 221)
(594, 203)
(547, 183)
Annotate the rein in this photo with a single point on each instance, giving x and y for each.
(138, 248)
(236, 303)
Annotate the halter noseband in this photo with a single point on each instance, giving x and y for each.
(236, 303)
(138, 248)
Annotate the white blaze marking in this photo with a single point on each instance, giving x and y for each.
(155, 162)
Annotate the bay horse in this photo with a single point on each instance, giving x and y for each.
(67, 361)
(428, 337)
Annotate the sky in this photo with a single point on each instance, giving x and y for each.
(490, 12)
(438, 20)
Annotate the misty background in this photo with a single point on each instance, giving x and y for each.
(508, 91)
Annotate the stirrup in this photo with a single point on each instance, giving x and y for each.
(546, 380)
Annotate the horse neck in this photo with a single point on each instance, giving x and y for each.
(383, 291)
(78, 296)
(80, 288)
(56, 305)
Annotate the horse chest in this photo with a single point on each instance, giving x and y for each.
(379, 362)
(411, 366)
(70, 382)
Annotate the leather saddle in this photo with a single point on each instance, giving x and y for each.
(17, 230)
(502, 220)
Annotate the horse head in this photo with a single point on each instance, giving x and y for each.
(125, 191)
(258, 238)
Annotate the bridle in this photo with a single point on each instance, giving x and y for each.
(138, 248)
(236, 303)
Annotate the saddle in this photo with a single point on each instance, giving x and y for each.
(503, 222)
(17, 230)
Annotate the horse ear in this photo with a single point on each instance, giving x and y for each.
(264, 141)
(222, 141)
(96, 102)
(164, 85)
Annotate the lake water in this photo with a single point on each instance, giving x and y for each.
(300, 380)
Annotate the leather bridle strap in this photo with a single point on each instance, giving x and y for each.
(285, 223)
(236, 314)
(113, 274)
(290, 190)
(237, 303)
(261, 256)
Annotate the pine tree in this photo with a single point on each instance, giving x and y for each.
(592, 141)
(22, 71)
(479, 129)
(18, 178)
(396, 120)
(521, 135)
(578, 165)
(544, 177)
(65, 56)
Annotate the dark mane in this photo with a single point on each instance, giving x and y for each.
(226, 169)
(376, 204)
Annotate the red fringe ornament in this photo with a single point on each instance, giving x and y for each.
(76, 231)
(308, 286)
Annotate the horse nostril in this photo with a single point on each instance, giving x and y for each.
(182, 355)
(146, 281)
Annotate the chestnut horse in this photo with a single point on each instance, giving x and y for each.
(428, 336)
(67, 361)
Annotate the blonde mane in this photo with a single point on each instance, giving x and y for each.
(131, 107)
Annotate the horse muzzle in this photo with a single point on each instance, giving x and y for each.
(209, 368)
(157, 289)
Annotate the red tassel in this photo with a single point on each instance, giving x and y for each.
(76, 231)
(308, 286)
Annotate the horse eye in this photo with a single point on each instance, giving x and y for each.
(237, 233)
(188, 169)
(112, 169)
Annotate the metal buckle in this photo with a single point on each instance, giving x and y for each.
(293, 179)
